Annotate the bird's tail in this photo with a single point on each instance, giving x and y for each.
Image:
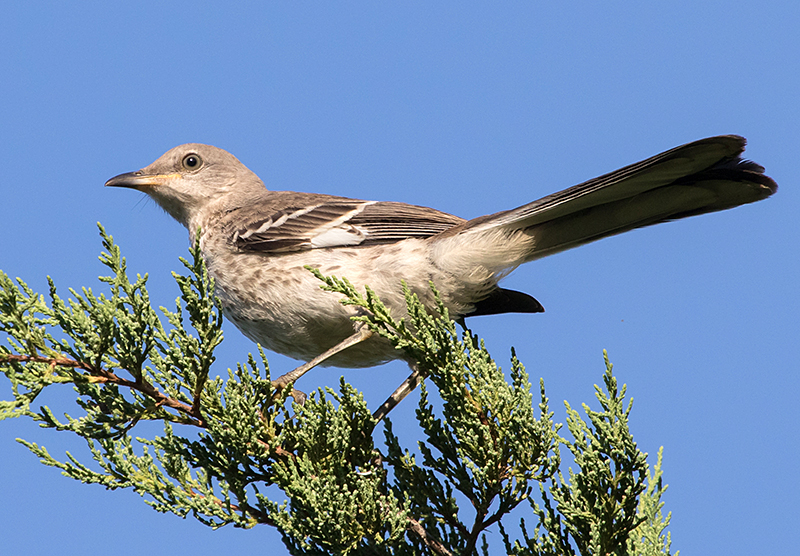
(704, 176)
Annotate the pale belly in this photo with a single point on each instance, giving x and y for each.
(275, 301)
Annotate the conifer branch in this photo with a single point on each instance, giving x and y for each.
(485, 447)
(98, 375)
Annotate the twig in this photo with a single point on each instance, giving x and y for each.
(429, 540)
(198, 390)
(243, 508)
(102, 375)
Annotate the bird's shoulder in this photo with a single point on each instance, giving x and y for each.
(285, 221)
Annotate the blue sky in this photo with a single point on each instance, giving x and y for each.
(470, 109)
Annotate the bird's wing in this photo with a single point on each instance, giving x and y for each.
(296, 222)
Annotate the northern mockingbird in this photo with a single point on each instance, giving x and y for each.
(256, 242)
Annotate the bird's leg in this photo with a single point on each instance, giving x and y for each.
(402, 391)
(362, 333)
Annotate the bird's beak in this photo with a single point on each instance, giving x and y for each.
(140, 180)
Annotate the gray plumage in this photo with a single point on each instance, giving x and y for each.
(257, 242)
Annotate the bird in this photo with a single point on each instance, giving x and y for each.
(258, 243)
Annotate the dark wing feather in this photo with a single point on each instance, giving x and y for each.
(388, 222)
(308, 221)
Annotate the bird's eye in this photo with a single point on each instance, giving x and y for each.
(192, 161)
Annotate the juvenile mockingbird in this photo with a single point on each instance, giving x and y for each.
(256, 242)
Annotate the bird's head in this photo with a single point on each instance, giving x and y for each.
(191, 177)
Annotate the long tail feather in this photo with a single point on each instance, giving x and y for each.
(696, 178)
(704, 176)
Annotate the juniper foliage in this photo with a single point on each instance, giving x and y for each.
(485, 449)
